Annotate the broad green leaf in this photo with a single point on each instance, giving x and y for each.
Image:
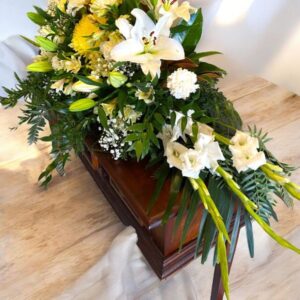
(249, 231)
(36, 18)
(29, 41)
(189, 33)
(159, 118)
(102, 117)
(89, 81)
(82, 105)
(190, 216)
(200, 232)
(209, 68)
(46, 44)
(42, 13)
(186, 194)
(198, 56)
(137, 127)
(210, 232)
(160, 175)
(127, 6)
(139, 148)
(122, 97)
(235, 232)
(132, 137)
(174, 191)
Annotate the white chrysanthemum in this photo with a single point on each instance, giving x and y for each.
(182, 83)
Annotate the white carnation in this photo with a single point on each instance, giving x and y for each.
(182, 83)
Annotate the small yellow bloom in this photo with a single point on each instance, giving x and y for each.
(109, 108)
(100, 7)
(58, 85)
(87, 35)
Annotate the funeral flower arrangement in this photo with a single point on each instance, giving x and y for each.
(128, 71)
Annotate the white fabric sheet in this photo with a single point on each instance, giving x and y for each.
(123, 274)
(15, 55)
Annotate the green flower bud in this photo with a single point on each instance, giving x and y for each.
(82, 105)
(46, 44)
(117, 79)
(40, 66)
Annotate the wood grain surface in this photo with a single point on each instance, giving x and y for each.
(48, 239)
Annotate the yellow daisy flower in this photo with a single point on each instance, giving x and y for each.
(87, 35)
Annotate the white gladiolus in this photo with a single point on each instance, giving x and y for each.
(210, 151)
(174, 151)
(182, 83)
(192, 163)
(147, 43)
(245, 154)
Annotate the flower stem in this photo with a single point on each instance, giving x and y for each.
(249, 207)
(210, 206)
(270, 171)
(222, 139)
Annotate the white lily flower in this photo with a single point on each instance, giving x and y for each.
(245, 154)
(176, 10)
(147, 43)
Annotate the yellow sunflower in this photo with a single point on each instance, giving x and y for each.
(87, 35)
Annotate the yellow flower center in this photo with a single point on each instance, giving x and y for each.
(167, 4)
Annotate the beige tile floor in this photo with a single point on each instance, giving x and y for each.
(50, 238)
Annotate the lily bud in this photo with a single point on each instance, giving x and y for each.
(82, 87)
(117, 79)
(46, 44)
(40, 67)
(82, 105)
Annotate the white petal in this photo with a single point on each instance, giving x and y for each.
(184, 11)
(163, 26)
(124, 27)
(143, 25)
(152, 67)
(257, 161)
(169, 49)
(127, 50)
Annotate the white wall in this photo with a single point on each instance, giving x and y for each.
(261, 37)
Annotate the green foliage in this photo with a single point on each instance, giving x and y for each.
(36, 18)
(189, 33)
(197, 56)
(44, 106)
(259, 189)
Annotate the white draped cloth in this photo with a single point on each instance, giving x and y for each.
(123, 274)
